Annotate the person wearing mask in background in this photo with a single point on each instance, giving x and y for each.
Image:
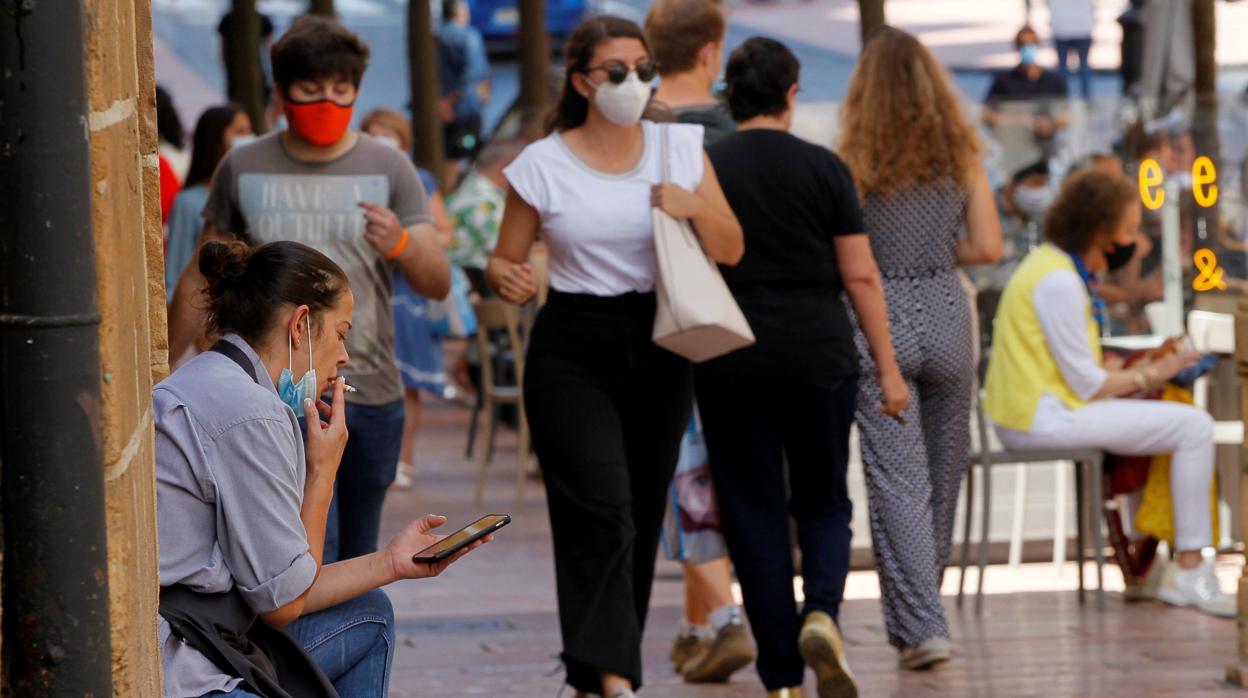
(171, 153)
(1027, 96)
(777, 415)
(1023, 201)
(1072, 22)
(606, 405)
(464, 81)
(242, 501)
(928, 209)
(218, 130)
(1048, 388)
(361, 203)
(687, 37)
(1028, 196)
(417, 350)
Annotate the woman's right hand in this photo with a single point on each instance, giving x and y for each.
(327, 438)
(1163, 370)
(896, 393)
(515, 285)
(416, 537)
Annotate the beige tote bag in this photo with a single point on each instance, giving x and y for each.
(697, 316)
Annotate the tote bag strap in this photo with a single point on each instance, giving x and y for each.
(665, 153)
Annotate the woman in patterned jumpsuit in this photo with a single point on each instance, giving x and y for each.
(928, 209)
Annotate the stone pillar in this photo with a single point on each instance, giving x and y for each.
(133, 342)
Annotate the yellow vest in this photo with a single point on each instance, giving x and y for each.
(1022, 368)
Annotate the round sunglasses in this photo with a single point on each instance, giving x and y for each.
(617, 72)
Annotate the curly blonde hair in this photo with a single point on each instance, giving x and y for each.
(901, 122)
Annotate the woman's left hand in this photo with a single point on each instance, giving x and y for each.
(675, 200)
(416, 537)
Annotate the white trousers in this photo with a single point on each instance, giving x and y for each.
(1138, 428)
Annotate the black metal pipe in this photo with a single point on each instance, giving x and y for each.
(55, 600)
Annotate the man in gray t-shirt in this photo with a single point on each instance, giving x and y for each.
(359, 202)
(261, 193)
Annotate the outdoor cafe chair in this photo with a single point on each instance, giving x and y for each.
(496, 316)
(1088, 466)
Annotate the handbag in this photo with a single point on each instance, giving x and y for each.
(696, 315)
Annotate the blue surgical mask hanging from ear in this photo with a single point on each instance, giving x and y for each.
(1028, 53)
(290, 392)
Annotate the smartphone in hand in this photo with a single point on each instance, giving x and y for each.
(462, 538)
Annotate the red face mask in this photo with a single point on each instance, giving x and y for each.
(321, 123)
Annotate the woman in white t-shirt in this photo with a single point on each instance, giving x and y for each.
(606, 405)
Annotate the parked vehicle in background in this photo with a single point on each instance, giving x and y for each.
(499, 21)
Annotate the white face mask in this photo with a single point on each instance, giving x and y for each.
(239, 141)
(624, 103)
(1033, 201)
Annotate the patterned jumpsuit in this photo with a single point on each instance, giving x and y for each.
(914, 470)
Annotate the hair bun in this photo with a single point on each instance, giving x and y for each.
(223, 262)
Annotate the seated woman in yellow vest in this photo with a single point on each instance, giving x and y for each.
(1047, 386)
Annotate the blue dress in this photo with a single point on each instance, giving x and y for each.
(416, 350)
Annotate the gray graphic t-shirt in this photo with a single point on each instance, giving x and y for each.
(263, 194)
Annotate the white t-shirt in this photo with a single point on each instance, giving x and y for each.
(596, 224)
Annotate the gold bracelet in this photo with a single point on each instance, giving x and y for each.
(1142, 382)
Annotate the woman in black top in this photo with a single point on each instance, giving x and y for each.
(791, 395)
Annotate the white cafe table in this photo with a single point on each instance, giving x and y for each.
(1132, 342)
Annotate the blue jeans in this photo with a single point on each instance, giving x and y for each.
(1080, 47)
(353, 643)
(368, 466)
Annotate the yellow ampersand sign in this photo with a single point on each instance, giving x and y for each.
(1210, 273)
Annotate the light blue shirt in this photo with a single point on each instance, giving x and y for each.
(464, 45)
(230, 471)
(185, 225)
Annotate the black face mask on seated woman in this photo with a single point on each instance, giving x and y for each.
(1118, 256)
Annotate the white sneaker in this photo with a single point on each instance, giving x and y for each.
(404, 476)
(1196, 587)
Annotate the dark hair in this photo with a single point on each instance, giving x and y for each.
(1018, 38)
(1039, 167)
(678, 29)
(1089, 203)
(572, 109)
(449, 8)
(208, 142)
(758, 77)
(247, 286)
(168, 123)
(315, 48)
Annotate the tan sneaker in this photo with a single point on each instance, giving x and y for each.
(822, 650)
(731, 650)
(931, 652)
(684, 648)
(786, 693)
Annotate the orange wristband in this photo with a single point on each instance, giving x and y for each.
(399, 246)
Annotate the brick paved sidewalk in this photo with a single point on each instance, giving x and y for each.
(488, 626)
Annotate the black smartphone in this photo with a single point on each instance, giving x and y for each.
(462, 538)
